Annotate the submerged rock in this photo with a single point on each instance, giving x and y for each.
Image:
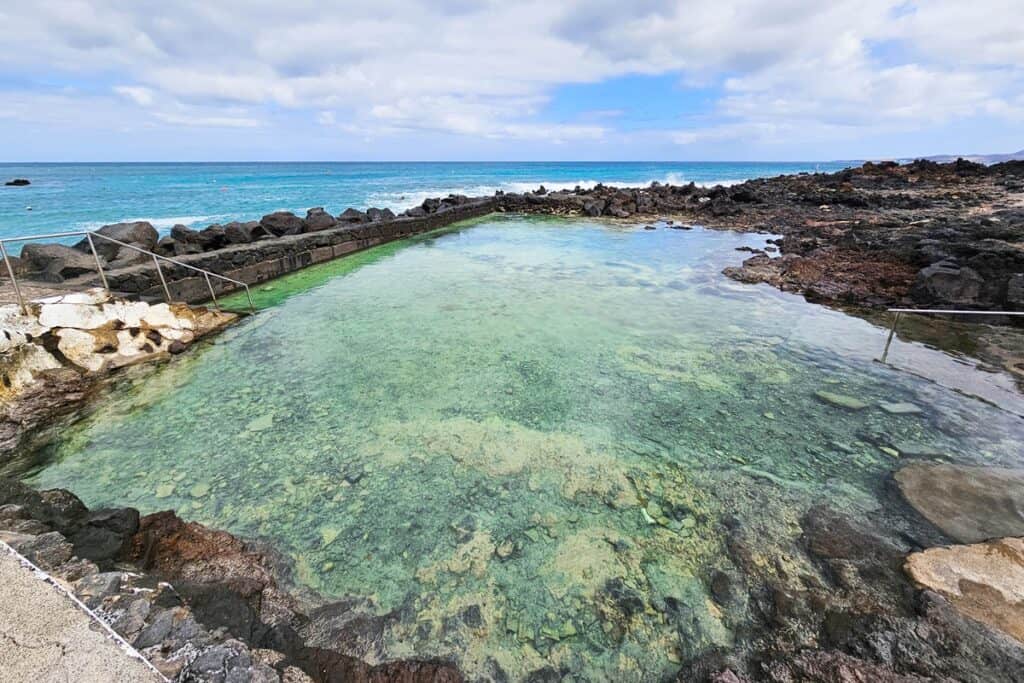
(969, 504)
(841, 400)
(900, 408)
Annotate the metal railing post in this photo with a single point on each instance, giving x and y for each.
(99, 266)
(91, 238)
(248, 295)
(213, 297)
(892, 331)
(167, 292)
(14, 280)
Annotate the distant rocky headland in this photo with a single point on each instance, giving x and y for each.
(922, 234)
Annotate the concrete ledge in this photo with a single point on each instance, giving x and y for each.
(267, 259)
(46, 634)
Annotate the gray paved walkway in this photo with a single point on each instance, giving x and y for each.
(45, 637)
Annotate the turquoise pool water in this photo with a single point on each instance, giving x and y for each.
(522, 436)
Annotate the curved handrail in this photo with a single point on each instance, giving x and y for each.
(90, 235)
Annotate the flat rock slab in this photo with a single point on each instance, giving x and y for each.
(45, 636)
(900, 408)
(841, 400)
(969, 504)
(984, 581)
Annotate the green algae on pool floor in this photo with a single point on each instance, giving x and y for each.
(523, 437)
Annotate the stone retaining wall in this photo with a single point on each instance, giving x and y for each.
(267, 259)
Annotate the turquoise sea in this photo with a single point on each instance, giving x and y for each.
(84, 196)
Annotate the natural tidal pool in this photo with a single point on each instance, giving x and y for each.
(524, 437)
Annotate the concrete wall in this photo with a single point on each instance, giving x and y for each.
(267, 259)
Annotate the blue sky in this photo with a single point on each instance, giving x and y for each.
(487, 80)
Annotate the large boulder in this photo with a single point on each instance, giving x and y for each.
(985, 581)
(282, 223)
(141, 233)
(969, 504)
(126, 256)
(212, 237)
(593, 207)
(375, 214)
(946, 282)
(317, 219)
(243, 233)
(182, 233)
(351, 215)
(56, 262)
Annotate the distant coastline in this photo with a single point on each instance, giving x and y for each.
(86, 196)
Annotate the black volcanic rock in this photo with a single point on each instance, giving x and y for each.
(375, 214)
(55, 262)
(351, 215)
(17, 182)
(317, 219)
(283, 223)
(140, 233)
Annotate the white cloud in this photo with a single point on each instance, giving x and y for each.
(144, 97)
(487, 69)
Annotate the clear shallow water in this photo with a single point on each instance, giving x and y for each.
(523, 435)
(85, 196)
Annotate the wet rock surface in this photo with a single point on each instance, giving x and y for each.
(856, 599)
(850, 613)
(969, 504)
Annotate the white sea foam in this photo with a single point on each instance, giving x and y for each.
(398, 201)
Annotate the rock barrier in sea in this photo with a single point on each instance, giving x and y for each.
(921, 234)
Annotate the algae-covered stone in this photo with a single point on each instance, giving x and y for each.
(200, 490)
(841, 400)
(261, 423)
(164, 490)
(900, 408)
(329, 534)
(917, 450)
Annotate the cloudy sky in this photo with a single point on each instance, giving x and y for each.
(520, 79)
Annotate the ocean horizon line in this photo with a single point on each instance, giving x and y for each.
(438, 161)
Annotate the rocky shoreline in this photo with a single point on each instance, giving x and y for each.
(889, 596)
(921, 234)
(926, 587)
(56, 356)
(200, 604)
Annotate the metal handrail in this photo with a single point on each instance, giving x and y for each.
(89, 236)
(932, 311)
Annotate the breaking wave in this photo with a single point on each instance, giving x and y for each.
(398, 201)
